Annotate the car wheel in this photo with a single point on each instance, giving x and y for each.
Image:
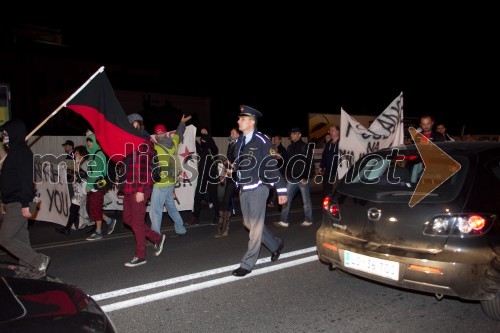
(492, 307)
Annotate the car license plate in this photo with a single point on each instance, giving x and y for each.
(380, 267)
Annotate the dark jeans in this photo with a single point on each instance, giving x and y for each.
(74, 216)
(198, 196)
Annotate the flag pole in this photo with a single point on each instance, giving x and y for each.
(100, 70)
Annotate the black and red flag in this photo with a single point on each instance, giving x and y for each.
(97, 103)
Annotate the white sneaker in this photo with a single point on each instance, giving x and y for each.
(45, 263)
(281, 224)
(111, 226)
(159, 245)
(94, 236)
(135, 262)
(83, 225)
(306, 224)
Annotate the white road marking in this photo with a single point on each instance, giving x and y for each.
(203, 285)
(158, 284)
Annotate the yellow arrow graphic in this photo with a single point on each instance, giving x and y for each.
(438, 167)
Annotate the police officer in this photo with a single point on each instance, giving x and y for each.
(256, 170)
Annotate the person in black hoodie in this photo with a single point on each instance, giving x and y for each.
(207, 176)
(18, 190)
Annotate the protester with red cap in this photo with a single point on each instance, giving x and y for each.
(163, 191)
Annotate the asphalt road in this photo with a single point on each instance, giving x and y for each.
(188, 288)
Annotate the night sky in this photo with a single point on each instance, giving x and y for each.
(287, 71)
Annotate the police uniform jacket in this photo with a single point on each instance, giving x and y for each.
(256, 165)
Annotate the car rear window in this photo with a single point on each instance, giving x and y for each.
(389, 177)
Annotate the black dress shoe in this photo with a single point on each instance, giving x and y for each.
(175, 235)
(240, 271)
(60, 227)
(276, 254)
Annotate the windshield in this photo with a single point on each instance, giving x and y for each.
(393, 177)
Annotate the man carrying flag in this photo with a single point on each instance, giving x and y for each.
(120, 140)
(137, 187)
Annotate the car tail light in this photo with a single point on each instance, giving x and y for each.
(459, 224)
(331, 207)
(326, 203)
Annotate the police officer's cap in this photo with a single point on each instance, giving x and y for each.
(249, 112)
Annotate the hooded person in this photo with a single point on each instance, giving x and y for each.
(163, 190)
(18, 191)
(96, 189)
(208, 176)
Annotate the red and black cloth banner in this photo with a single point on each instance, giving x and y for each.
(98, 104)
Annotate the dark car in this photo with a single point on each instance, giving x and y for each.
(447, 244)
(34, 302)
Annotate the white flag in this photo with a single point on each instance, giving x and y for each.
(387, 130)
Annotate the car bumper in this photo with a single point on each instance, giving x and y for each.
(464, 280)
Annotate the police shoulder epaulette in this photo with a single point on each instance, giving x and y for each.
(261, 137)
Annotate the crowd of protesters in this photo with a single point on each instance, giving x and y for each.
(86, 168)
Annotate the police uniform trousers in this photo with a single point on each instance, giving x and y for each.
(253, 209)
